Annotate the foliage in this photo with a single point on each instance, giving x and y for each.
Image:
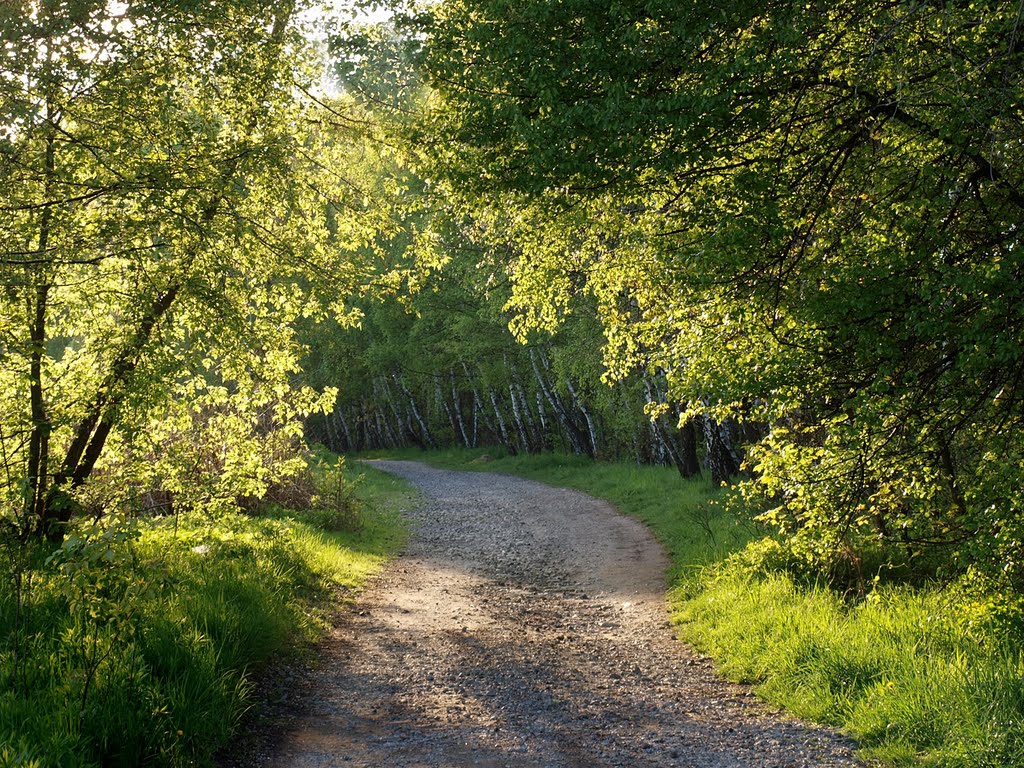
(337, 507)
(135, 642)
(805, 214)
(433, 362)
(173, 206)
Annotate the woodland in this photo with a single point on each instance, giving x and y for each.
(770, 241)
(768, 244)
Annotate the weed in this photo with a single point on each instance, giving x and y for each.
(336, 507)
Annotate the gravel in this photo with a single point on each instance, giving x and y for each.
(524, 626)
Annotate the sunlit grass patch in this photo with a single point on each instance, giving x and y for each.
(897, 671)
(132, 645)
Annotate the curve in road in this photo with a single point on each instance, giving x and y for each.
(526, 626)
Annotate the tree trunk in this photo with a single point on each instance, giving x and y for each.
(393, 432)
(535, 440)
(665, 448)
(457, 405)
(524, 440)
(720, 459)
(689, 465)
(573, 434)
(39, 438)
(545, 433)
(348, 445)
(582, 408)
(477, 407)
(509, 444)
(358, 429)
(447, 408)
(386, 432)
(401, 430)
(426, 439)
(330, 438)
(647, 450)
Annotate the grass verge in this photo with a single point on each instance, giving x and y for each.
(131, 644)
(909, 672)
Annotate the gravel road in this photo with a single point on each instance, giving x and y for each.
(524, 626)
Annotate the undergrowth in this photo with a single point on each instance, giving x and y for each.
(911, 672)
(132, 643)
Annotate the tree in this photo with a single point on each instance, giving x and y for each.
(807, 215)
(164, 198)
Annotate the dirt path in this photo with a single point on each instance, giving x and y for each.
(525, 626)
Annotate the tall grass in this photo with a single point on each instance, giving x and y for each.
(906, 671)
(132, 645)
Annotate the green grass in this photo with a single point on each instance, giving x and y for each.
(135, 644)
(908, 672)
(899, 671)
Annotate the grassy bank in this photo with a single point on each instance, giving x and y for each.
(131, 644)
(909, 672)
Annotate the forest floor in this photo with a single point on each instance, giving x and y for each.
(524, 625)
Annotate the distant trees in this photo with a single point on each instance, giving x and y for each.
(440, 365)
(442, 368)
(164, 196)
(805, 215)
